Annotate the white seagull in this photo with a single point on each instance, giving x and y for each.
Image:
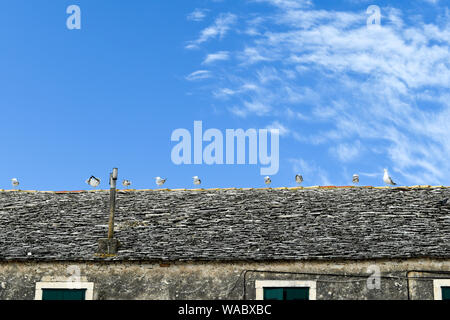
(160, 181)
(93, 182)
(126, 183)
(15, 182)
(299, 179)
(387, 179)
(267, 180)
(197, 181)
(355, 179)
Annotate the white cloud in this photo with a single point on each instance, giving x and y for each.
(312, 173)
(256, 106)
(385, 88)
(288, 4)
(432, 1)
(224, 92)
(218, 56)
(347, 152)
(199, 75)
(251, 107)
(278, 126)
(197, 15)
(252, 55)
(219, 29)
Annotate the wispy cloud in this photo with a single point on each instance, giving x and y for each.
(283, 131)
(218, 56)
(287, 4)
(199, 75)
(197, 15)
(254, 106)
(311, 172)
(347, 151)
(432, 1)
(218, 29)
(253, 55)
(386, 88)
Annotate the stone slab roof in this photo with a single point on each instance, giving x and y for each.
(228, 224)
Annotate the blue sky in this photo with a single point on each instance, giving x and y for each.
(346, 99)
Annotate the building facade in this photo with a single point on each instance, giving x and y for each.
(324, 243)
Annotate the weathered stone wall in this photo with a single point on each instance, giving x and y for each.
(224, 280)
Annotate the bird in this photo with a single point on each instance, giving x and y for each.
(93, 182)
(15, 182)
(160, 181)
(387, 179)
(299, 178)
(267, 180)
(197, 181)
(355, 178)
(126, 183)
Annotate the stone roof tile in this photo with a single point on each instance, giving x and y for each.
(229, 224)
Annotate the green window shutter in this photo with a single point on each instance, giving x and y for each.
(273, 293)
(296, 293)
(290, 293)
(445, 293)
(63, 294)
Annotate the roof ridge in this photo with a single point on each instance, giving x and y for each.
(227, 189)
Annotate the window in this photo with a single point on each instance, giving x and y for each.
(445, 293)
(63, 294)
(441, 289)
(285, 290)
(286, 293)
(64, 291)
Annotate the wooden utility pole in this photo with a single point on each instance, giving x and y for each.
(110, 246)
(112, 202)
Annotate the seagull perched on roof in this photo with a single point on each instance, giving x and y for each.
(355, 179)
(15, 182)
(387, 179)
(160, 181)
(299, 178)
(267, 180)
(197, 181)
(126, 183)
(93, 182)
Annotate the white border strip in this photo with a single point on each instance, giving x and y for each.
(438, 284)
